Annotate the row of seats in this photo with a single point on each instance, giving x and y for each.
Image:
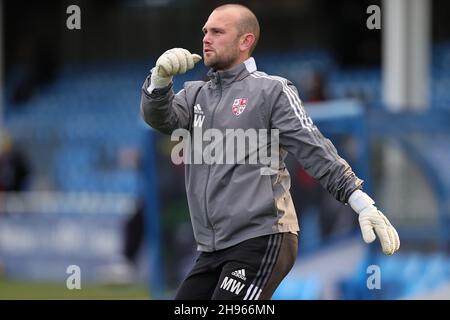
(87, 180)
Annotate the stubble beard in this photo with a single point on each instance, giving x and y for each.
(223, 62)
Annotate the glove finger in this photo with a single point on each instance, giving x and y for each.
(383, 235)
(386, 220)
(193, 59)
(163, 66)
(181, 55)
(391, 241)
(182, 59)
(188, 58)
(175, 62)
(367, 231)
(396, 239)
(196, 58)
(189, 61)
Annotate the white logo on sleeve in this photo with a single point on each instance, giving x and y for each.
(232, 285)
(198, 116)
(239, 274)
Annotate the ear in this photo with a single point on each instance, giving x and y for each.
(246, 41)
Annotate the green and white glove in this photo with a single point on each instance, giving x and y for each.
(172, 62)
(370, 219)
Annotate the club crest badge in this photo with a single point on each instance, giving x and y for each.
(239, 106)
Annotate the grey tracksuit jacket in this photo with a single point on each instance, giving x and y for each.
(230, 203)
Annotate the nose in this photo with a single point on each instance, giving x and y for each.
(206, 39)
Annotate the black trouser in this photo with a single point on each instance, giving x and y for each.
(250, 270)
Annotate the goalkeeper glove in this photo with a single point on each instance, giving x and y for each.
(172, 62)
(370, 219)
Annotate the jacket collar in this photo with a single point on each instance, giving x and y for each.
(236, 73)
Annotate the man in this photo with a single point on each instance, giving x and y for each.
(244, 221)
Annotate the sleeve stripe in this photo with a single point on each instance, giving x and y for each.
(294, 101)
(294, 96)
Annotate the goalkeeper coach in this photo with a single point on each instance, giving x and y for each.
(244, 222)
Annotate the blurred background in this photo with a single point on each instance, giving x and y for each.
(85, 182)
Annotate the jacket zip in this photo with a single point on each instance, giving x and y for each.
(209, 171)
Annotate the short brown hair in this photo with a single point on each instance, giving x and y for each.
(248, 23)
